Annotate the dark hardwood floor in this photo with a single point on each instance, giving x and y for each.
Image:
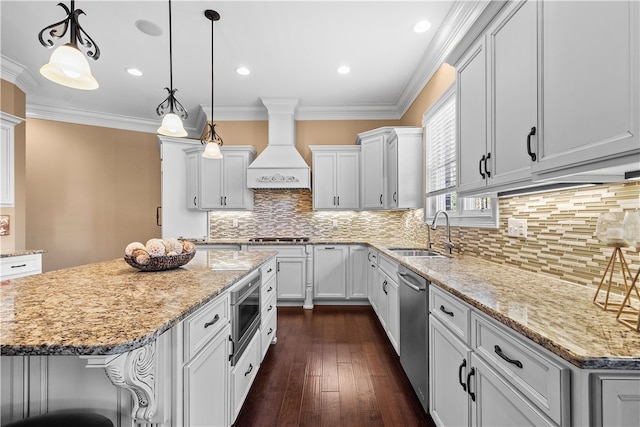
(332, 366)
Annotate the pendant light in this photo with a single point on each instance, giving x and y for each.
(67, 65)
(171, 122)
(212, 139)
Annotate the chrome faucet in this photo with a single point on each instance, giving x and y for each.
(448, 244)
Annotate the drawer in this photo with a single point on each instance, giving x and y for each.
(388, 266)
(269, 288)
(537, 376)
(243, 374)
(20, 266)
(268, 304)
(268, 271)
(283, 250)
(454, 313)
(203, 325)
(268, 332)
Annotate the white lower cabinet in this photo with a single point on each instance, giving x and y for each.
(243, 374)
(206, 382)
(616, 399)
(372, 279)
(20, 266)
(388, 300)
(482, 374)
(291, 269)
(268, 306)
(330, 271)
(357, 269)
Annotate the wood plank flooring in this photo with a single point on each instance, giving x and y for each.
(332, 366)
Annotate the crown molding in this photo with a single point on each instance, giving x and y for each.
(18, 74)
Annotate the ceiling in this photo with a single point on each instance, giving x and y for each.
(292, 48)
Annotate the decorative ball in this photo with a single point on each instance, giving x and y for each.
(141, 256)
(188, 247)
(128, 251)
(173, 245)
(155, 247)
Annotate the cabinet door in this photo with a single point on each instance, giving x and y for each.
(449, 363)
(324, 176)
(211, 176)
(471, 106)
(358, 267)
(589, 86)
(383, 298)
(393, 314)
(373, 284)
(329, 271)
(236, 195)
(512, 47)
(392, 172)
(291, 276)
(372, 161)
(193, 178)
(620, 402)
(495, 403)
(206, 384)
(348, 181)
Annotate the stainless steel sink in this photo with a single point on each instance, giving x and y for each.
(416, 253)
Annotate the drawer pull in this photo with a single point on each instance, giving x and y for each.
(270, 289)
(19, 266)
(269, 270)
(445, 311)
(472, 372)
(499, 352)
(270, 308)
(249, 370)
(233, 348)
(270, 331)
(215, 319)
(462, 366)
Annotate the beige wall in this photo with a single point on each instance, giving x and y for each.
(13, 101)
(91, 191)
(435, 87)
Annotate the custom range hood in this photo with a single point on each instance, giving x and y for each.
(280, 166)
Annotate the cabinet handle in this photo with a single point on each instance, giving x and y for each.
(194, 201)
(334, 200)
(158, 215)
(480, 166)
(369, 256)
(277, 267)
(215, 319)
(499, 352)
(270, 307)
(381, 199)
(472, 372)
(249, 370)
(270, 331)
(269, 270)
(445, 311)
(270, 289)
(384, 287)
(221, 201)
(19, 266)
(486, 170)
(529, 152)
(338, 200)
(233, 348)
(395, 199)
(462, 366)
(330, 247)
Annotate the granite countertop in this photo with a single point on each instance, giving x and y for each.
(558, 315)
(6, 253)
(110, 307)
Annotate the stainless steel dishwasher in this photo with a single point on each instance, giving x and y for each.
(413, 332)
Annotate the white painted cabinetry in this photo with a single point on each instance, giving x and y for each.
(7, 158)
(291, 269)
(357, 269)
(388, 300)
(20, 266)
(330, 271)
(336, 177)
(617, 399)
(219, 183)
(372, 279)
(372, 161)
(269, 306)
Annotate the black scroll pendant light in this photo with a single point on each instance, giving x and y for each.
(171, 122)
(211, 138)
(67, 65)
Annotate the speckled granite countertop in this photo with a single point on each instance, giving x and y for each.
(6, 253)
(110, 307)
(558, 315)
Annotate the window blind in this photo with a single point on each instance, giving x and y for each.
(440, 137)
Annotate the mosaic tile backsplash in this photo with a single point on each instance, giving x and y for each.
(561, 225)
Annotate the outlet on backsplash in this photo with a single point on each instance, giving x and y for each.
(335, 223)
(234, 223)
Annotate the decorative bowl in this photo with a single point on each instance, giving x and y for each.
(609, 229)
(161, 263)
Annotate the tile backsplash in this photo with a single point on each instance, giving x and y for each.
(561, 225)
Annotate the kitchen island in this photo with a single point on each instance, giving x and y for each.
(109, 316)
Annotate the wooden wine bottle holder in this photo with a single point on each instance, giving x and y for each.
(606, 304)
(628, 314)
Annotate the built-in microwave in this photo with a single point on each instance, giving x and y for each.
(245, 315)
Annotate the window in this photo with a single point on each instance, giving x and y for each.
(441, 173)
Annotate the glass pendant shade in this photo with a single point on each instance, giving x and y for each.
(68, 67)
(172, 126)
(212, 151)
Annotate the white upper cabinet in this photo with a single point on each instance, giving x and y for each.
(219, 184)
(590, 85)
(391, 168)
(7, 159)
(336, 177)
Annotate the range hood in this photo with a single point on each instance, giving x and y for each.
(280, 165)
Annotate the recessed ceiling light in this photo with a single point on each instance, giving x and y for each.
(343, 69)
(421, 26)
(148, 28)
(134, 72)
(243, 71)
